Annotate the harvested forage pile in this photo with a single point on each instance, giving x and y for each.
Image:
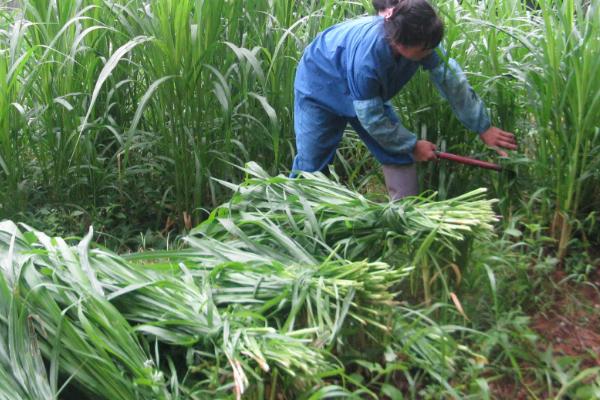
(266, 295)
(313, 216)
(324, 217)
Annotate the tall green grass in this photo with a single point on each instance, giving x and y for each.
(12, 114)
(141, 103)
(561, 78)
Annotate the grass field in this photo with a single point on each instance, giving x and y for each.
(152, 247)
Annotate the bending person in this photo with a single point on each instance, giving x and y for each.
(348, 75)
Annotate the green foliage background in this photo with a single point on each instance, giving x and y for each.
(132, 116)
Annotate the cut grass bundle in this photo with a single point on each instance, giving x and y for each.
(319, 295)
(80, 332)
(329, 220)
(22, 370)
(322, 215)
(241, 322)
(237, 314)
(182, 303)
(87, 338)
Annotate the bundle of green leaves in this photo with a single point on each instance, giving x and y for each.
(327, 220)
(276, 285)
(96, 312)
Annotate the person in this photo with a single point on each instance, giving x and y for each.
(348, 75)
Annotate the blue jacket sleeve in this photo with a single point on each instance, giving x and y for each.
(394, 137)
(451, 82)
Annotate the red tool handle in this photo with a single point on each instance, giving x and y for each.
(468, 160)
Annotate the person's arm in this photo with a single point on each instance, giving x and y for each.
(451, 82)
(392, 135)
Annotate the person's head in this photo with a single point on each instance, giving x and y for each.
(413, 29)
(384, 7)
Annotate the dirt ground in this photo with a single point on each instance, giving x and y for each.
(570, 324)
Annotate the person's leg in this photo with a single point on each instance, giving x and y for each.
(401, 180)
(400, 172)
(318, 133)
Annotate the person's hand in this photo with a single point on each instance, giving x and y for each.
(497, 138)
(424, 151)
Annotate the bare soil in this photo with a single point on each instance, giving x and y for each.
(572, 324)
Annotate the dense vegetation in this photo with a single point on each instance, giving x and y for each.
(139, 117)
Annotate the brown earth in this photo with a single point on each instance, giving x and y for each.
(572, 324)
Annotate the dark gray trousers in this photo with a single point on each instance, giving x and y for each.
(401, 180)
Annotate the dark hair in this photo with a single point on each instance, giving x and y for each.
(381, 5)
(414, 23)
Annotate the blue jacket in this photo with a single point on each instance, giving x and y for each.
(351, 70)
